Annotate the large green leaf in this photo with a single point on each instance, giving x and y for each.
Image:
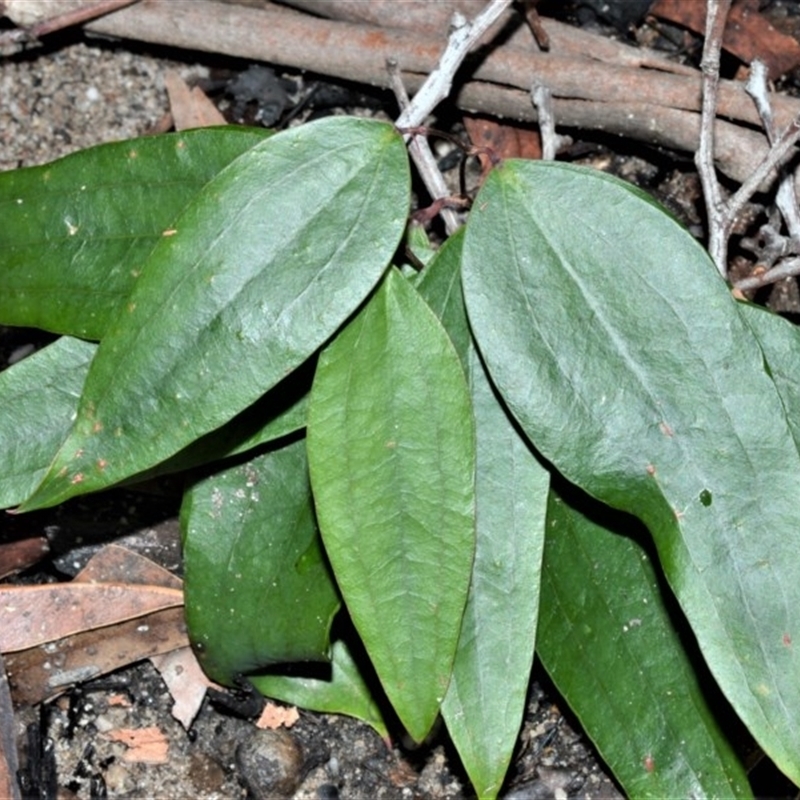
(264, 265)
(344, 691)
(77, 232)
(41, 395)
(258, 590)
(622, 354)
(485, 701)
(38, 396)
(607, 639)
(780, 343)
(440, 286)
(392, 455)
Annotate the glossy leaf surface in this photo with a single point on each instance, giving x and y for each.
(607, 639)
(392, 454)
(779, 340)
(344, 691)
(485, 702)
(258, 590)
(77, 232)
(41, 396)
(38, 396)
(621, 352)
(238, 297)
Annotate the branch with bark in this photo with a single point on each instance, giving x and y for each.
(631, 92)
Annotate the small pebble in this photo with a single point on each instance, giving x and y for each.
(270, 764)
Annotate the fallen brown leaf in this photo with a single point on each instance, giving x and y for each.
(42, 672)
(186, 681)
(116, 564)
(748, 34)
(274, 716)
(21, 554)
(145, 745)
(190, 107)
(506, 139)
(34, 615)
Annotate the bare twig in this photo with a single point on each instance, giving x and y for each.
(786, 197)
(719, 225)
(535, 24)
(65, 20)
(771, 162)
(436, 87)
(543, 101)
(438, 84)
(421, 154)
(786, 269)
(722, 215)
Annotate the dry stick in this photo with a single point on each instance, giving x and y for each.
(719, 225)
(786, 197)
(421, 154)
(786, 269)
(648, 105)
(722, 215)
(65, 20)
(438, 84)
(543, 100)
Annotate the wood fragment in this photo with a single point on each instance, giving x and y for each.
(647, 104)
(748, 35)
(9, 759)
(145, 745)
(21, 554)
(190, 106)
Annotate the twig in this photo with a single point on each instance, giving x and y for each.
(423, 16)
(786, 269)
(463, 36)
(649, 105)
(722, 215)
(719, 225)
(65, 20)
(543, 101)
(535, 24)
(438, 84)
(421, 154)
(786, 197)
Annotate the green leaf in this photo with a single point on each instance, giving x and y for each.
(485, 703)
(77, 232)
(607, 639)
(779, 340)
(258, 590)
(440, 286)
(280, 412)
(621, 352)
(39, 396)
(266, 263)
(392, 455)
(343, 692)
